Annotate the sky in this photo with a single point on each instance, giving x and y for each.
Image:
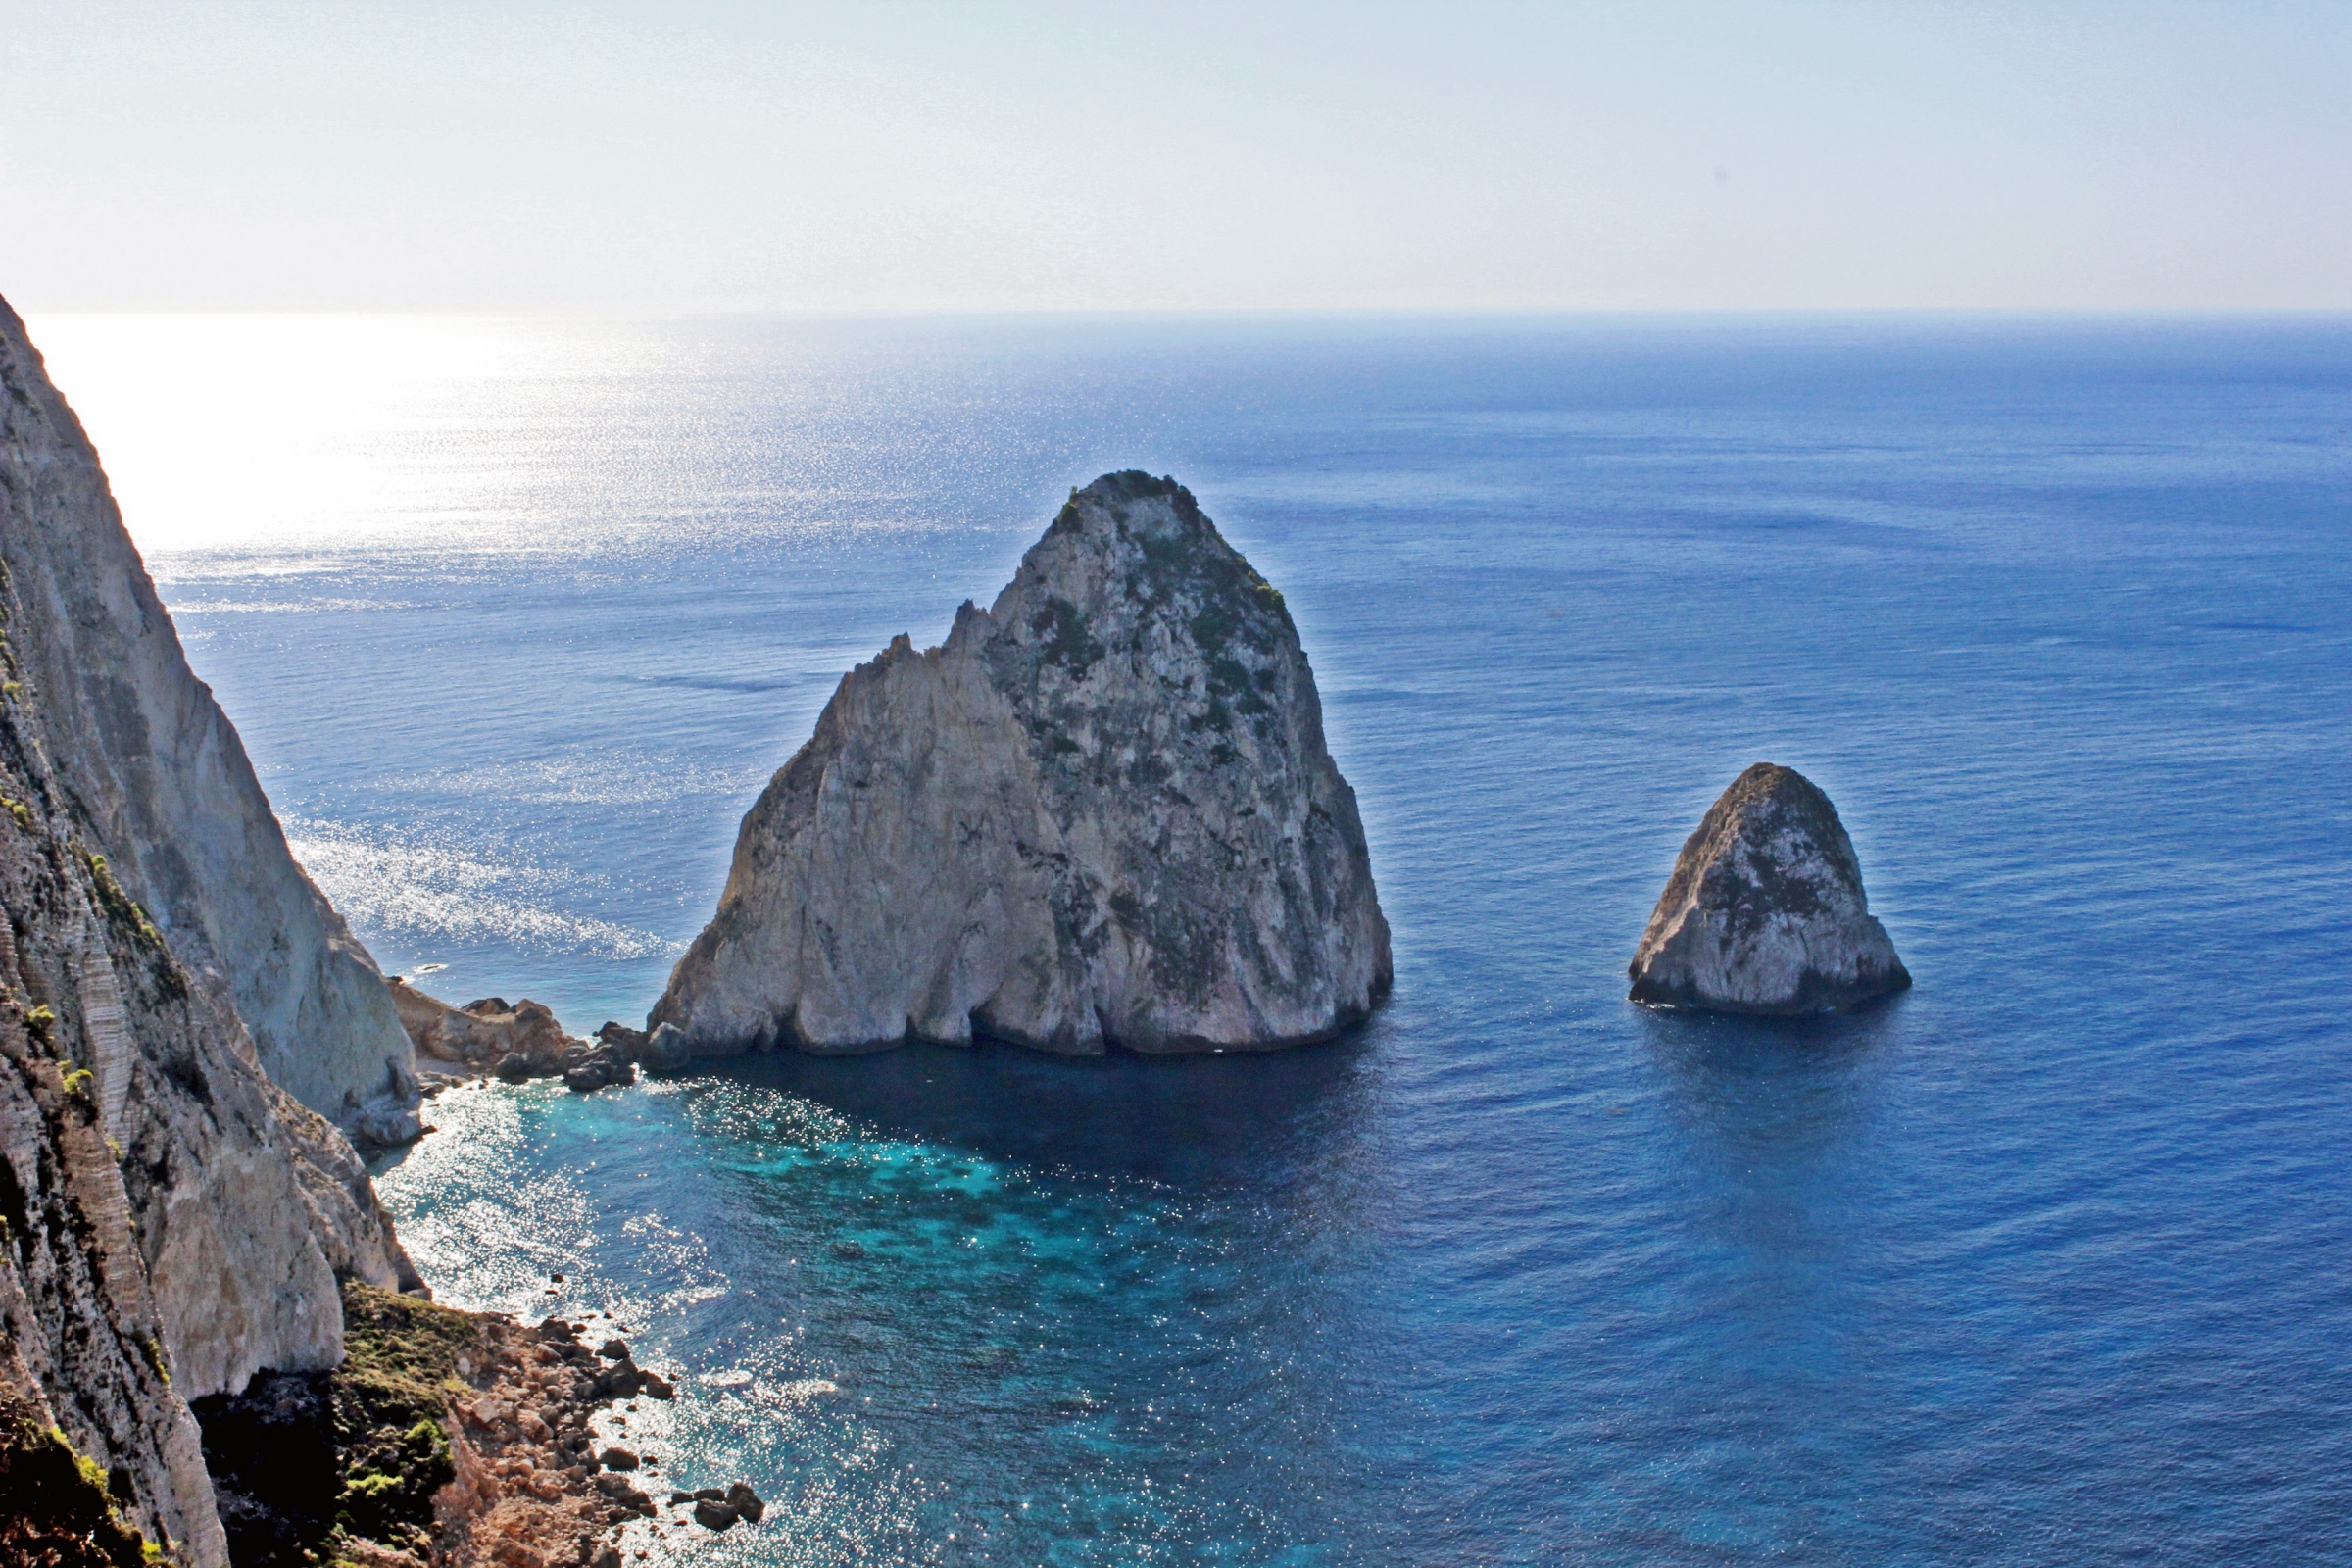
(688, 155)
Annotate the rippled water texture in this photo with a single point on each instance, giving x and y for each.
(2048, 1262)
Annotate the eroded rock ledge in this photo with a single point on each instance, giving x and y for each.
(1765, 911)
(1102, 814)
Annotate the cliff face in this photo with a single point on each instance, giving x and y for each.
(1765, 911)
(1102, 814)
(154, 771)
(174, 1220)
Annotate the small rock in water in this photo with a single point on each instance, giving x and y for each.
(746, 1502)
(1765, 911)
(618, 1459)
(680, 1497)
(655, 1386)
(713, 1515)
(613, 1350)
(515, 1067)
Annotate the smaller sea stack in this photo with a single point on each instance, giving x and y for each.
(1765, 911)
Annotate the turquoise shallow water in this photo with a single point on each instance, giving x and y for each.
(2046, 1262)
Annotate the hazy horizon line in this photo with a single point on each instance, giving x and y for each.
(1201, 312)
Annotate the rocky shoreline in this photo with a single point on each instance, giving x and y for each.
(521, 1041)
(446, 1440)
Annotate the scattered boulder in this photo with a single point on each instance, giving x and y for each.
(617, 1459)
(746, 1502)
(1765, 911)
(714, 1515)
(615, 1349)
(590, 1067)
(666, 1050)
(514, 1068)
(1102, 814)
(620, 1037)
(654, 1385)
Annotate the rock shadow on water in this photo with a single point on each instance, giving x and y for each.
(1203, 1120)
(1779, 1088)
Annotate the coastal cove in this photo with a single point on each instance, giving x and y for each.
(2037, 1262)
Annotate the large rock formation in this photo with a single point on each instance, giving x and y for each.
(1765, 911)
(158, 776)
(1102, 814)
(174, 1220)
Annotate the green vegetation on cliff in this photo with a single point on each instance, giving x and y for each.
(305, 1464)
(55, 1506)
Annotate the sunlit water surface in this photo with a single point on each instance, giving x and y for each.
(2048, 1262)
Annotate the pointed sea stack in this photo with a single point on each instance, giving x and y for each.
(1101, 816)
(1765, 911)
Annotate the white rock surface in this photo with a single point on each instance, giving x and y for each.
(176, 1220)
(1765, 911)
(1102, 814)
(161, 784)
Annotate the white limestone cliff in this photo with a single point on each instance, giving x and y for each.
(175, 1220)
(160, 778)
(1765, 913)
(1102, 814)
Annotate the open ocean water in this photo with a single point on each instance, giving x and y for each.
(2048, 1261)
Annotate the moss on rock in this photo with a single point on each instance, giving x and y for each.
(306, 1464)
(55, 1510)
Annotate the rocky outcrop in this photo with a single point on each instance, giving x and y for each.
(174, 1220)
(481, 1034)
(1765, 911)
(517, 1043)
(455, 1438)
(157, 777)
(1102, 814)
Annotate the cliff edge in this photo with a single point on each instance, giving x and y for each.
(174, 1220)
(1102, 814)
(153, 771)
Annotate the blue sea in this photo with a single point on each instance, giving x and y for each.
(2047, 1261)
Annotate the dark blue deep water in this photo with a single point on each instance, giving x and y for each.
(2048, 1261)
